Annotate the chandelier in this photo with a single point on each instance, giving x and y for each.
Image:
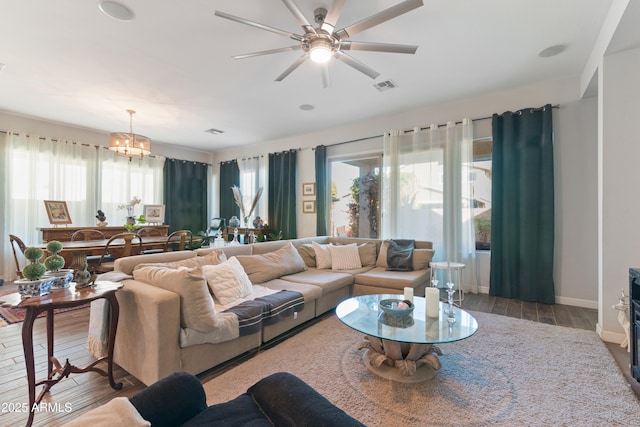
(129, 144)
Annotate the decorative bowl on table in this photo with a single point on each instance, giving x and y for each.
(396, 307)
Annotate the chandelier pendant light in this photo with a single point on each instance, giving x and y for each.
(129, 144)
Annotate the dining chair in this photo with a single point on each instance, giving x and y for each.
(15, 240)
(150, 231)
(116, 249)
(91, 234)
(180, 240)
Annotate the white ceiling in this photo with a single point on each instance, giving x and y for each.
(67, 62)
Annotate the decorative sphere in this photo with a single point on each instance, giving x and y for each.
(33, 271)
(32, 253)
(54, 262)
(54, 246)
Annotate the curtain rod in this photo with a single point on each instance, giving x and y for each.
(424, 128)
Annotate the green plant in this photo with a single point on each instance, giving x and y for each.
(36, 269)
(141, 219)
(54, 262)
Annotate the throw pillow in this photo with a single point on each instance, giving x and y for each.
(272, 265)
(323, 255)
(422, 258)
(308, 254)
(400, 255)
(228, 281)
(367, 253)
(215, 257)
(382, 256)
(345, 257)
(197, 310)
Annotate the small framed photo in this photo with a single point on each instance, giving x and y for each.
(308, 206)
(57, 212)
(309, 189)
(154, 213)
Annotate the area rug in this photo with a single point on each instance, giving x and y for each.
(10, 316)
(511, 372)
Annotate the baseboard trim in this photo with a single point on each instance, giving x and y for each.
(576, 302)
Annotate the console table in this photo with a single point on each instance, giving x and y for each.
(62, 298)
(63, 234)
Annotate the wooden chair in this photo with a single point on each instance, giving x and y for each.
(15, 240)
(131, 247)
(180, 240)
(150, 231)
(91, 234)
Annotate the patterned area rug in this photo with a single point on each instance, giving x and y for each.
(9, 316)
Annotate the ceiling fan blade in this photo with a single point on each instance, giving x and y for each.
(378, 18)
(268, 52)
(295, 10)
(292, 67)
(326, 80)
(356, 64)
(258, 25)
(379, 47)
(331, 19)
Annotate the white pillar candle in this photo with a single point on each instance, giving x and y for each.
(408, 294)
(432, 297)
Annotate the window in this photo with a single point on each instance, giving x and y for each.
(481, 179)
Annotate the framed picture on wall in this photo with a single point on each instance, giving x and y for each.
(57, 212)
(154, 213)
(309, 206)
(309, 189)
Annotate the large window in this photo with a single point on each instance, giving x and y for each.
(481, 180)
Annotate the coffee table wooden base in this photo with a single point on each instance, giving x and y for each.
(422, 374)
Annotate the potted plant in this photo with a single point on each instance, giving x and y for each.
(54, 263)
(33, 284)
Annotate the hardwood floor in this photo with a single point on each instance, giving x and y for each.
(82, 392)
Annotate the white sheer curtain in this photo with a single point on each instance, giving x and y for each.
(427, 191)
(34, 169)
(253, 173)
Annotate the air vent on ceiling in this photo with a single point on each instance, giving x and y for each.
(385, 85)
(214, 131)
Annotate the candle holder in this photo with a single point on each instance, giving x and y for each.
(450, 292)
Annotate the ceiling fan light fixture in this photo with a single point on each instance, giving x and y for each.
(320, 50)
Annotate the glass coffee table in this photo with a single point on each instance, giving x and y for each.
(404, 348)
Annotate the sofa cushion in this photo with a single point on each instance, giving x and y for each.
(309, 292)
(328, 280)
(228, 281)
(382, 256)
(127, 264)
(400, 255)
(264, 267)
(345, 257)
(422, 258)
(381, 277)
(367, 253)
(197, 310)
(308, 254)
(323, 255)
(211, 258)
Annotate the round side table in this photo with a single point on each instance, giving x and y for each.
(453, 273)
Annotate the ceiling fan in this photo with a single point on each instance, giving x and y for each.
(324, 42)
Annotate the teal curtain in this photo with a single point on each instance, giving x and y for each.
(522, 215)
(186, 195)
(229, 176)
(321, 190)
(282, 193)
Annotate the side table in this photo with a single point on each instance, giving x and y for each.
(62, 298)
(454, 275)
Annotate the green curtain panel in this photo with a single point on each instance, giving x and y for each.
(522, 225)
(282, 193)
(229, 176)
(186, 195)
(321, 190)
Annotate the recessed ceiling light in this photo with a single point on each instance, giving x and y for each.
(552, 51)
(307, 107)
(116, 10)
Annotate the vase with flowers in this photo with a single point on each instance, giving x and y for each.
(246, 213)
(129, 207)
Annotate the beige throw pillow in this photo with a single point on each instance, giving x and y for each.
(197, 310)
(308, 254)
(345, 257)
(227, 281)
(422, 258)
(367, 253)
(323, 255)
(272, 265)
(382, 256)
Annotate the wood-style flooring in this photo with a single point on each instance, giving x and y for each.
(82, 392)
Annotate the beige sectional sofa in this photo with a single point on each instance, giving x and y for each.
(151, 330)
